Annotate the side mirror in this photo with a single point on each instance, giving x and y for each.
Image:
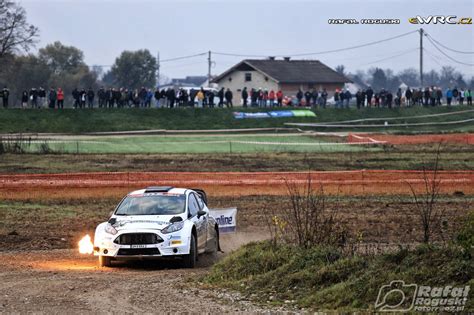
(112, 221)
(201, 213)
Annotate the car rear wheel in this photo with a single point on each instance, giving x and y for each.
(105, 261)
(189, 260)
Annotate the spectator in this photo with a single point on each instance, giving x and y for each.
(377, 100)
(439, 96)
(370, 94)
(228, 98)
(449, 96)
(389, 98)
(52, 98)
(398, 99)
(279, 96)
(271, 98)
(299, 97)
(101, 95)
(337, 99)
(24, 99)
(34, 98)
(220, 95)
(42, 97)
(314, 97)
(461, 97)
(171, 97)
(75, 96)
(60, 97)
(210, 96)
(5, 96)
(265, 98)
(455, 96)
(324, 96)
(82, 98)
(307, 96)
(468, 95)
(200, 98)
(359, 99)
(433, 96)
(90, 98)
(408, 96)
(260, 97)
(244, 96)
(347, 98)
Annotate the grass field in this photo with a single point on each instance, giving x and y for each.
(97, 120)
(194, 144)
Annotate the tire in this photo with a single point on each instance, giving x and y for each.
(105, 261)
(214, 246)
(189, 260)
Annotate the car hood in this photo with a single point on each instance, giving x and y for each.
(142, 222)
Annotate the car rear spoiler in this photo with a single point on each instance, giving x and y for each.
(201, 193)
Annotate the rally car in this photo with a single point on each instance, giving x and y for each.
(158, 222)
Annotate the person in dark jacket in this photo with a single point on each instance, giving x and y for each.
(358, 99)
(75, 96)
(228, 98)
(90, 98)
(220, 95)
(5, 96)
(171, 94)
(307, 97)
(24, 99)
(299, 96)
(369, 93)
(408, 96)
(245, 96)
(101, 96)
(210, 96)
(52, 98)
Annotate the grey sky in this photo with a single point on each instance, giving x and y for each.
(103, 29)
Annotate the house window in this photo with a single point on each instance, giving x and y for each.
(266, 78)
(248, 77)
(230, 79)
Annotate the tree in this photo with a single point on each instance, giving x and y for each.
(15, 32)
(379, 79)
(410, 77)
(134, 69)
(340, 69)
(431, 78)
(61, 58)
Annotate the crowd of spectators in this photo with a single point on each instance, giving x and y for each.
(209, 97)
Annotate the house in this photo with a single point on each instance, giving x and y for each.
(283, 74)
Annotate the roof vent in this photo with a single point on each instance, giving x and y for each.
(156, 189)
(286, 58)
(271, 57)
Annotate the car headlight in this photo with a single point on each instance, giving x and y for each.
(110, 229)
(173, 227)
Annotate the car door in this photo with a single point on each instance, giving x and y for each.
(200, 223)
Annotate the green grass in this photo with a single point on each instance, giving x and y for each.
(97, 120)
(197, 144)
(324, 279)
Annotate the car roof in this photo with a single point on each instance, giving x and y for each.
(180, 191)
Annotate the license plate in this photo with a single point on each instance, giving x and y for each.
(138, 246)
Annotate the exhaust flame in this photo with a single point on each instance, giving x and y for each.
(85, 245)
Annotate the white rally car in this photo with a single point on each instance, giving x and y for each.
(158, 222)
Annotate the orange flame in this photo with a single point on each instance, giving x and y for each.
(85, 245)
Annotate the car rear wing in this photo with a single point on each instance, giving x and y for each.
(201, 193)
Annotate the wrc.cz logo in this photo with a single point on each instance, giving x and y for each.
(440, 19)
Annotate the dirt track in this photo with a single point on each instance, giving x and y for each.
(62, 281)
(363, 182)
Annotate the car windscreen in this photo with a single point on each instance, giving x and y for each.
(152, 204)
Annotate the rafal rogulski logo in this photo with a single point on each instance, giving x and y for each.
(400, 297)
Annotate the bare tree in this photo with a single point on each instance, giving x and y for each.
(305, 219)
(426, 202)
(15, 32)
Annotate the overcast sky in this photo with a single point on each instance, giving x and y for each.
(103, 29)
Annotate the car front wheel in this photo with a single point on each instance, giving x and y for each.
(105, 261)
(189, 260)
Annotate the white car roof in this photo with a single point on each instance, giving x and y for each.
(171, 191)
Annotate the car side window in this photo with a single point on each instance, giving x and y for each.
(192, 205)
(200, 202)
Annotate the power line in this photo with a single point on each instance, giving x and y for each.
(391, 57)
(321, 52)
(448, 48)
(448, 56)
(183, 57)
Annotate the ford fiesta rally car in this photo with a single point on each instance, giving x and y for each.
(158, 222)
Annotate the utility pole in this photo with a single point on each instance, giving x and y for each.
(421, 57)
(158, 69)
(209, 65)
